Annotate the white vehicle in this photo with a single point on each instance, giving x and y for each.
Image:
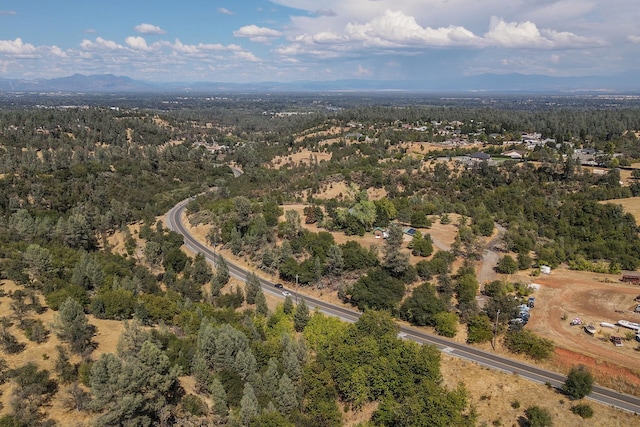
(286, 293)
(630, 325)
(575, 322)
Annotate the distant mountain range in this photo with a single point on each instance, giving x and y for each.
(486, 83)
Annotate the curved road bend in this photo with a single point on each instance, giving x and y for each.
(600, 394)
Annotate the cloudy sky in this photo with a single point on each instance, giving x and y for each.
(287, 40)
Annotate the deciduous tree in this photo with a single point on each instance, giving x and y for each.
(579, 382)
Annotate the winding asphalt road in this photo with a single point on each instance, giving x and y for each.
(600, 394)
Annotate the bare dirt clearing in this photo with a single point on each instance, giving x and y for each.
(594, 298)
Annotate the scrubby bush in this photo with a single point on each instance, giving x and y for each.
(526, 342)
(538, 417)
(584, 410)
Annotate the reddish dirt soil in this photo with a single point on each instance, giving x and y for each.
(594, 298)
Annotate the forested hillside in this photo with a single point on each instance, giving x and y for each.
(197, 351)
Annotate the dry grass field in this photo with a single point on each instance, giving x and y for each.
(631, 205)
(44, 354)
(302, 157)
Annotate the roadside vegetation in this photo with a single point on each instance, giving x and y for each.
(71, 178)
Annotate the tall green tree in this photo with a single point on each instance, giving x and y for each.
(261, 304)
(579, 382)
(71, 326)
(249, 406)
(422, 306)
(286, 395)
(394, 260)
(134, 390)
(252, 288)
(201, 270)
(270, 379)
(221, 276)
(479, 329)
(87, 272)
(288, 305)
(377, 290)
(301, 316)
(39, 262)
(507, 265)
(421, 245)
(335, 261)
(218, 398)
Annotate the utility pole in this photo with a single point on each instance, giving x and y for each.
(495, 331)
(297, 289)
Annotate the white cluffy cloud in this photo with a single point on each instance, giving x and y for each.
(138, 43)
(16, 47)
(100, 44)
(526, 34)
(394, 28)
(224, 11)
(399, 31)
(257, 34)
(149, 29)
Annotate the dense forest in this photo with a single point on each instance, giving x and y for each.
(71, 176)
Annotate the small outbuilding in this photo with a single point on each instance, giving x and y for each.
(379, 232)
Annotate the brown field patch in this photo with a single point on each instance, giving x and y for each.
(45, 354)
(492, 393)
(331, 132)
(630, 205)
(426, 147)
(304, 156)
(341, 191)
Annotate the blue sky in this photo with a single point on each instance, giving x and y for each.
(288, 40)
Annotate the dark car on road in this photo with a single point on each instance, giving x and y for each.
(278, 285)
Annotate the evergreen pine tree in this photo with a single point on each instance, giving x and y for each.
(270, 379)
(288, 305)
(301, 316)
(71, 326)
(252, 288)
(286, 395)
(201, 270)
(261, 304)
(248, 405)
(218, 398)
